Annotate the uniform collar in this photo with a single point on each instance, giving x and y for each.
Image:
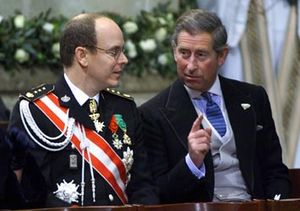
(79, 95)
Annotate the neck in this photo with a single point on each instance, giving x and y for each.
(80, 80)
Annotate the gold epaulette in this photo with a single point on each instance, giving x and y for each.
(116, 92)
(37, 92)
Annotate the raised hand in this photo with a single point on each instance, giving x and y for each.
(198, 142)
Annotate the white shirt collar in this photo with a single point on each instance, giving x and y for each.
(79, 95)
(215, 89)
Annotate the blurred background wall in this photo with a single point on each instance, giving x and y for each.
(70, 8)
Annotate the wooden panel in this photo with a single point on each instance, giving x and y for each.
(209, 206)
(283, 205)
(92, 208)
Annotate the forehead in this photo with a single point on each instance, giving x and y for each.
(199, 40)
(108, 33)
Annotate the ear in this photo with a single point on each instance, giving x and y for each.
(222, 56)
(174, 51)
(81, 56)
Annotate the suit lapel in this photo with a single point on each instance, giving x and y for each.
(243, 125)
(178, 102)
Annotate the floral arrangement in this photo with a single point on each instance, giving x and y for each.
(28, 43)
(148, 43)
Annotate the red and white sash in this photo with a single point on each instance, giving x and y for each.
(104, 159)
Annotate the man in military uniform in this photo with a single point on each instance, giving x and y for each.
(78, 142)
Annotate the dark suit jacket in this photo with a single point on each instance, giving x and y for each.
(10, 192)
(53, 167)
(168, 119)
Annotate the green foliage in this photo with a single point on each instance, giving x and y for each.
(148, 44)
(28, 43)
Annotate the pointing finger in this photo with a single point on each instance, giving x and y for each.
(196, 124)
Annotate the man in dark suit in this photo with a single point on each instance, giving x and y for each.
(78, 142)
(10, 192)
(210, 138)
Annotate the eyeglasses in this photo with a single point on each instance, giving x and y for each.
(114, 52)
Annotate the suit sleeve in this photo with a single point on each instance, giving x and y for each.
(175, 181)
(140, 189)
(32, 184)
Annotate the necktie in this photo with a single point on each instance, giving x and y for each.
(214, 114)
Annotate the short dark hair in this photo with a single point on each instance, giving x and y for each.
(79, 31)
(196, 21)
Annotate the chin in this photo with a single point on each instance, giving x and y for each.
(194, 86)
(114, 84)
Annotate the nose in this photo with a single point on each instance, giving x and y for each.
(123, 59)
(192, 62)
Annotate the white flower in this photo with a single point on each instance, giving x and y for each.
(21, 55)
(55, 49)
(148, 45)
(162, 21)
(161, 34)
(19, 21)
(170, 17)
(130, 46)
(130, 27)
(48, 27)
(1, 18)
(163, 59)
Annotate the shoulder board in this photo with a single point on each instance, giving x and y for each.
(37, 92)
(118, 93)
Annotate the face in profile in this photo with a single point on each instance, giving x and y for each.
(197, 61)
(106, 64)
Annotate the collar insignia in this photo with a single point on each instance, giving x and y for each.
(65, 99)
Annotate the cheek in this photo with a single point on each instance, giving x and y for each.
(210, 70)
(209, 66)
(181, 64)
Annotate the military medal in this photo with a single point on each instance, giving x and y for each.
(116, 141)
(67, 191)
(65, 98)
(99, 126)
(122, 125)
(128, 161)
(113, 126)
(95, 115)
(73, 161)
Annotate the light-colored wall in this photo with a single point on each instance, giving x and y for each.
(70, 8)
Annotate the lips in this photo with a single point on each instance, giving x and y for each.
(117, 72)
(192, 77)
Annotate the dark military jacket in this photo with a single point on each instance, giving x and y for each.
(53, 168)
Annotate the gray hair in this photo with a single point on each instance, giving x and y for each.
(197, 21)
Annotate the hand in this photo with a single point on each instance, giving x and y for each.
(198, 142)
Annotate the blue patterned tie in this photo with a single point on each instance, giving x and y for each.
(214, 114)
